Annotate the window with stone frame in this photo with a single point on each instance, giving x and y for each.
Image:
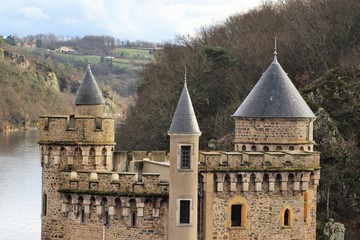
(185, 157)
(184, 212)
(287, 217)
(236, 214)
(237, 211)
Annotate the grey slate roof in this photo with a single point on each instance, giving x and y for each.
(184, 120)
(274, 96)
(88, 93)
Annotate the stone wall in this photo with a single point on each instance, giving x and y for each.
(273, 133)
(265, 201)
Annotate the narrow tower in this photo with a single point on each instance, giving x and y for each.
(184, 150)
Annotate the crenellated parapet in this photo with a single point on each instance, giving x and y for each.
(76, 130)
(112, 183)
(259, 161)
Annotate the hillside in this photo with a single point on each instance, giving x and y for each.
(36, 81)
(318, 45)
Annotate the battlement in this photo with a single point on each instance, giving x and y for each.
(111, 183)
(76, 130)
(259, 160)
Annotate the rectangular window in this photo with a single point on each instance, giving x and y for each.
(185, 157)
(46, 125)
(44, 204)
(71, 122)
(236, 215)
(98, 123)
(184, 211)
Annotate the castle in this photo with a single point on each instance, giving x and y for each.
(265, 189)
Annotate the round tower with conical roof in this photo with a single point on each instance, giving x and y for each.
(72, 145)
(274, 116)
(183, 183)
(88, 100)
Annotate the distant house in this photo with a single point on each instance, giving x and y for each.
(65, 49)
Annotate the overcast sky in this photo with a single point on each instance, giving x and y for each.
(149, 20)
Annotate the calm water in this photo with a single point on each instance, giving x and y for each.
(20, 186)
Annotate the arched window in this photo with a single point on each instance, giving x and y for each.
(278, 180)
(103, 157)
(287, 217)
(265, 183)
(243, 148)
(63, 156)
(78, 156)
(253, 148)
(278, 148)
(266, 148)
(291, 148)
(91, 160)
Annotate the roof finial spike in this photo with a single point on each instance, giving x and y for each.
(185, 76)
(88, 63)
(275, 52)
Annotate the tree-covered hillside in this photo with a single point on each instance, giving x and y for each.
(318, 45)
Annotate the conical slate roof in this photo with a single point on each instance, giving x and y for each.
(184, 120)
(274, 96)
(88, 92)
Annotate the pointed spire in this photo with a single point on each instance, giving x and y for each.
(274, 96)
(185, 77)
(275, 51)
(184, 120)
(88, 93)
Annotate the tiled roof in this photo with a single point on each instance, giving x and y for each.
(184, 120)
(88, 92)
(274, 96)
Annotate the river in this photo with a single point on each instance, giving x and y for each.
(20, 189)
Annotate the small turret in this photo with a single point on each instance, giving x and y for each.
(184, 153)
(88, 100)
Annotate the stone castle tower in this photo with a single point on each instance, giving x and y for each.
(265, 189)
(184, 151)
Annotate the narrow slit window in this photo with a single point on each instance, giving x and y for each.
(133, 219)
(44, 204)
(236, 215)
(185, 157)
(184, 211)
(107, 218)
(82, 215)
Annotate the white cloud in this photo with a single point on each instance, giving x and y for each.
(151, 20)
(33, 13)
